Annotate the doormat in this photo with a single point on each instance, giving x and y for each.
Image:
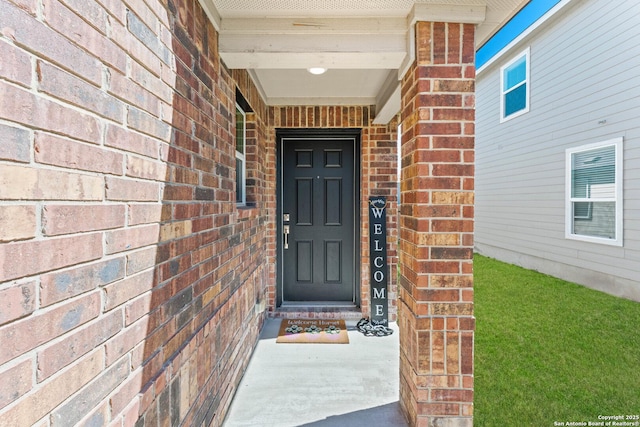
(313, 331)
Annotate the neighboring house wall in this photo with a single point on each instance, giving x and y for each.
(585, 88)
(132, 288)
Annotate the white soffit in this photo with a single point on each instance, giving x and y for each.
(308, 8)
(363, 44)
(334, 87)
(499, 12)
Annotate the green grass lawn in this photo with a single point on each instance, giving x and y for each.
(549, 350)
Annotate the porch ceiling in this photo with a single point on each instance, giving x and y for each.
(364, 44)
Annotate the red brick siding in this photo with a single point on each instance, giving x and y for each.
(132, 286)
(436, 222)
(378, 177)
(128, 277)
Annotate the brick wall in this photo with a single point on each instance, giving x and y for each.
(436, 239)
(378, 177)
(129, 280)
(132, 289)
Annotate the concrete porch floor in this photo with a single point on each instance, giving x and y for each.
(320, 385)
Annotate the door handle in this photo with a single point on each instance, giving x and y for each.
(285, 230)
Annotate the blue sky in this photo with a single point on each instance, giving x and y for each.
(520, 22)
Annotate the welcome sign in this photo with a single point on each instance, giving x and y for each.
(378, 257)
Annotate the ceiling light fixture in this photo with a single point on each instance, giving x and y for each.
(317, 70)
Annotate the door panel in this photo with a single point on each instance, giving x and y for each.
(318, 193)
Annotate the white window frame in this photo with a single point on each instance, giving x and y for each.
(618, 198)
(527, 55)
(243, 160)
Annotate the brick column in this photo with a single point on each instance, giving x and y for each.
(436, 238)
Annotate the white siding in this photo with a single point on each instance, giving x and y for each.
(585, 88)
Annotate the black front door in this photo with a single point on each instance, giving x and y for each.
(318, 219)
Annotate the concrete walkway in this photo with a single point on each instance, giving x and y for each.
(320, 385)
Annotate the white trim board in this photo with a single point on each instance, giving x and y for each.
(544, 18)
